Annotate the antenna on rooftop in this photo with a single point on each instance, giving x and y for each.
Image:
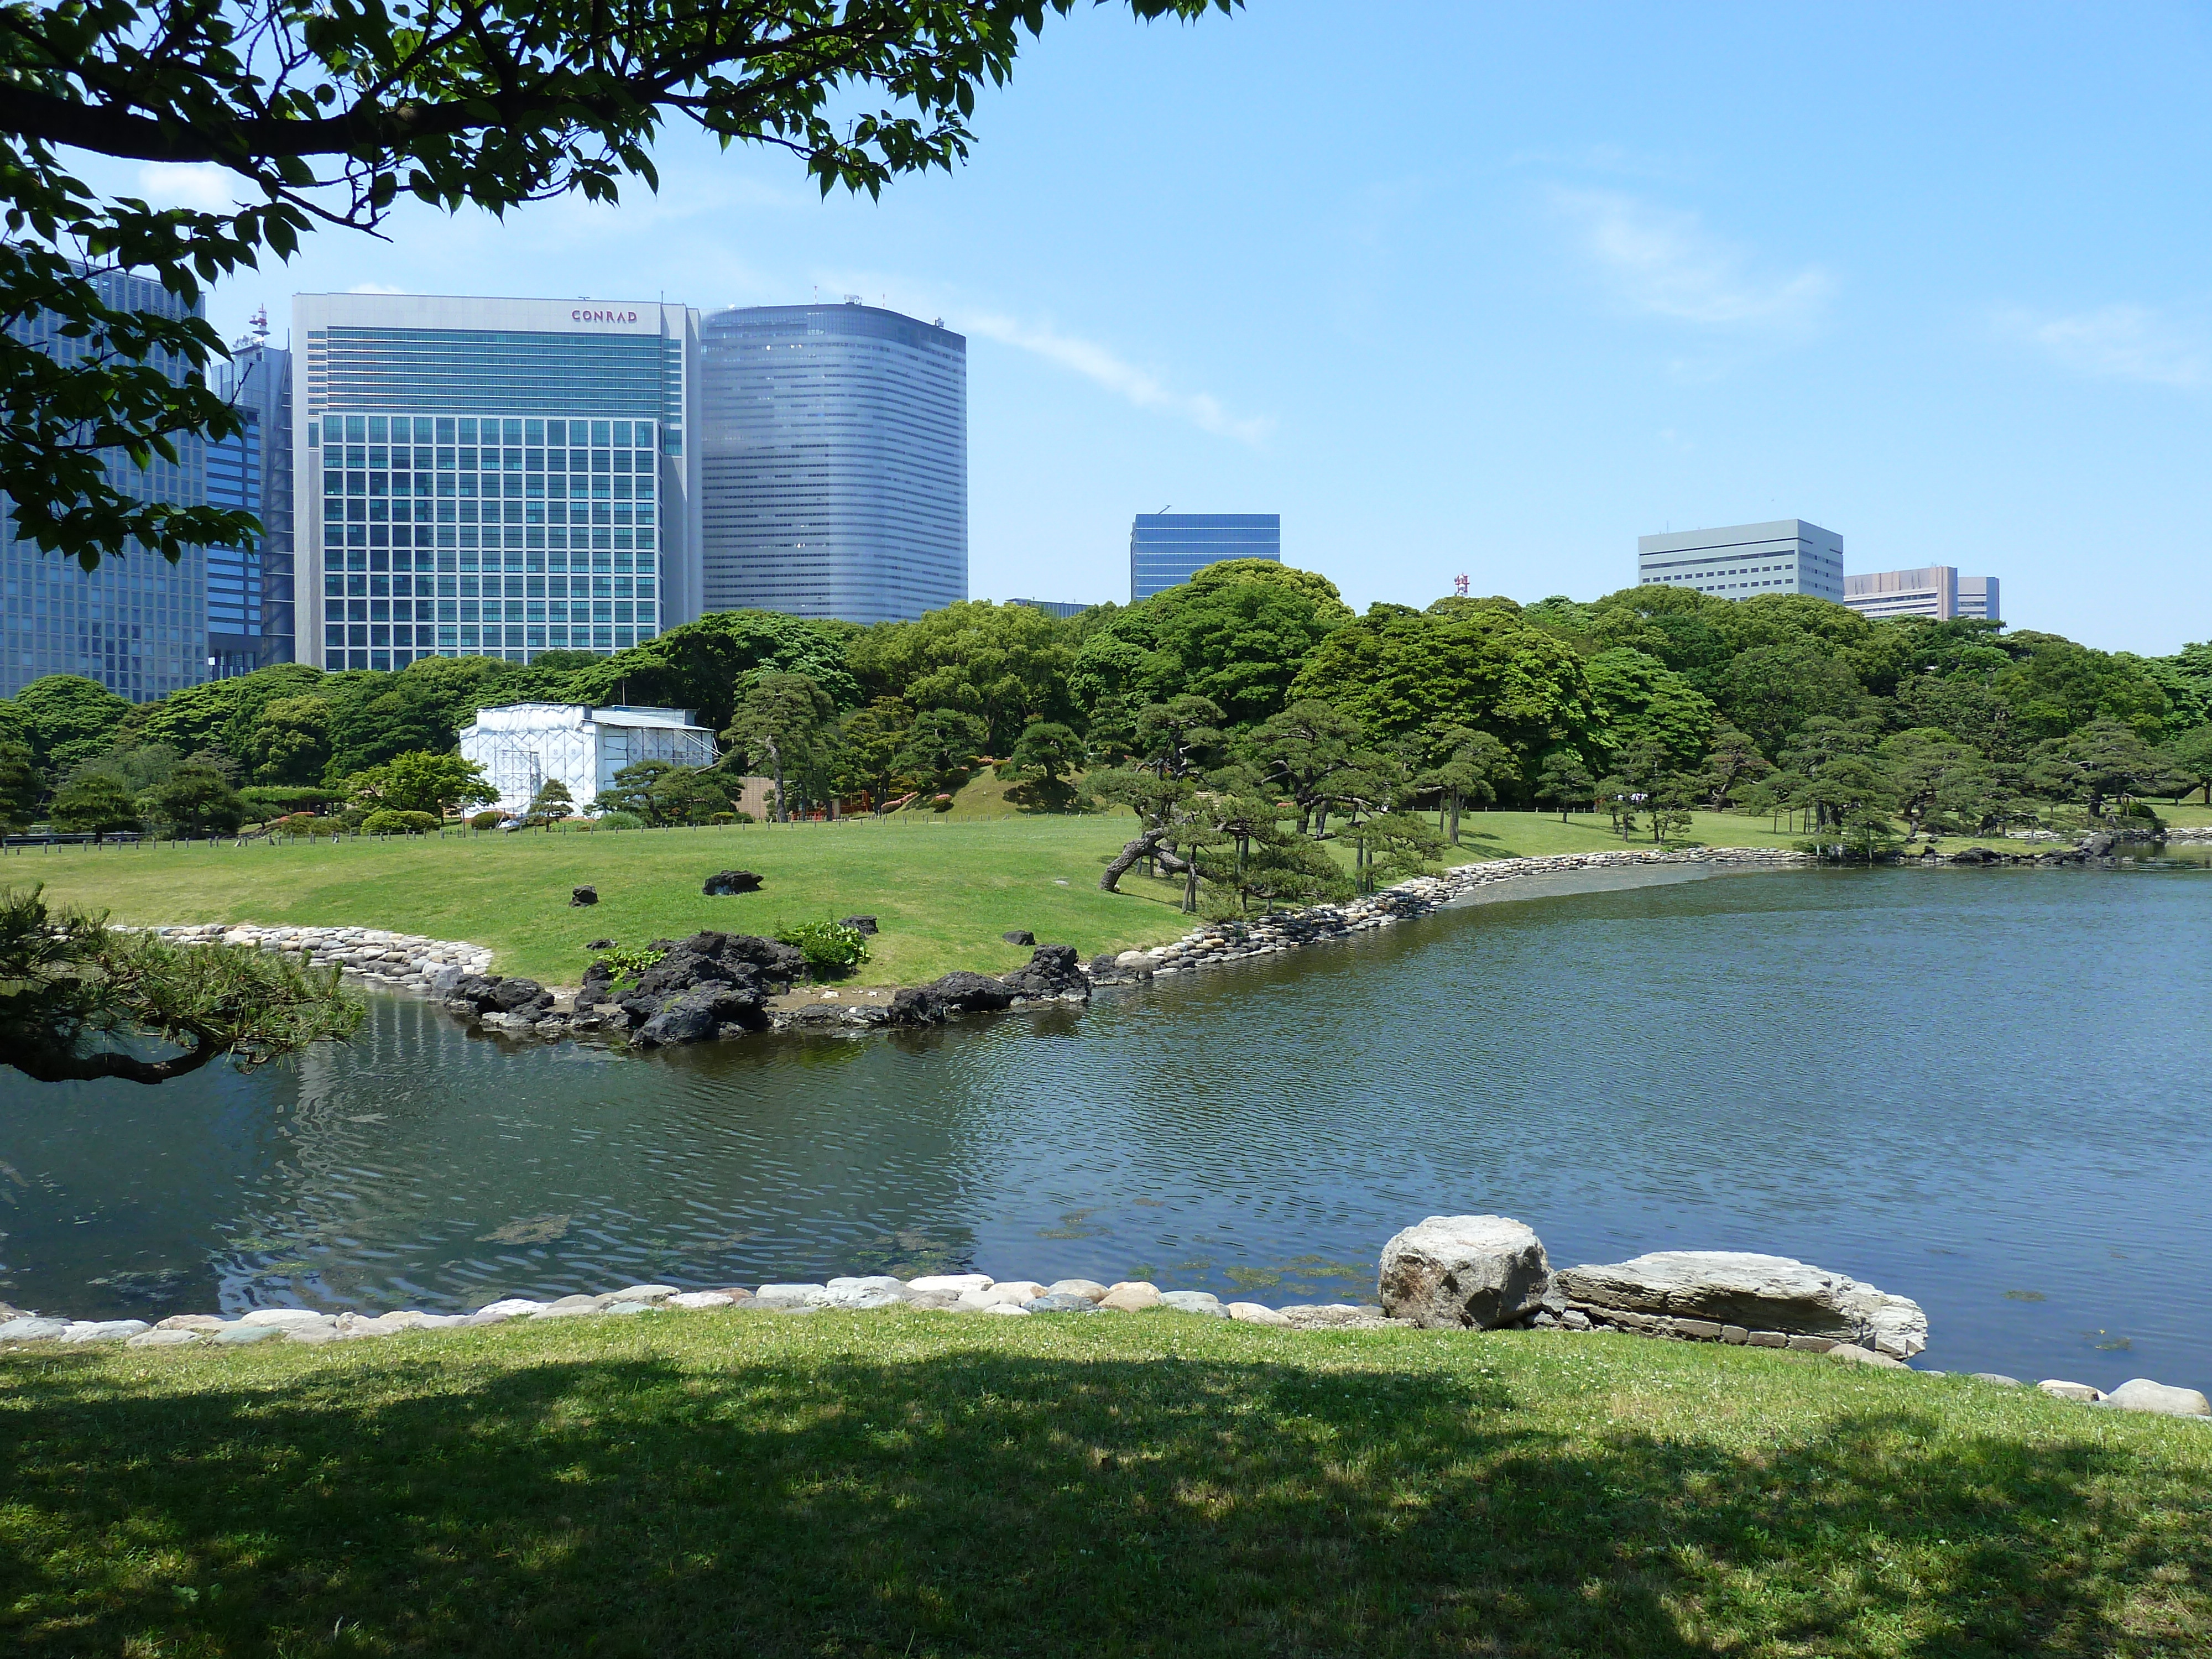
(1460, 585)
(1162, 512)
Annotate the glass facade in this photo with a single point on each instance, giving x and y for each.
(834, 462)
(486, 535)
(138, 624)
(493, 477)
(259, 383)
(1168, 549)
(234, 574)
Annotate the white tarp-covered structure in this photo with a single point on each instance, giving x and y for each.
(523, 744)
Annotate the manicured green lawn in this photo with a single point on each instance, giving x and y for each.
(911, 1485)
(943, 893)
(944, 886)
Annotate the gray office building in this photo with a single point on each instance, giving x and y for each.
(488, 476)
(1168, 549)
(1742, 561)
(1937, 591)
(138, 624)
(834, 462)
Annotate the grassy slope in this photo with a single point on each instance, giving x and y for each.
(945, 886)
(910, 1485)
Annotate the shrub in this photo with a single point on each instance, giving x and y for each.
(486, 820)
(618, 821)
(831, 949)
(386, 822)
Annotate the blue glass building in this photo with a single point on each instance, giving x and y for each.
(1168, 549)
(250, 591)
(138, 624)
(834, 472)
(492, 478)
(234, 574)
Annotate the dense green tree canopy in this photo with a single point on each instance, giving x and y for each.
(1396, 671)
(1005, 664)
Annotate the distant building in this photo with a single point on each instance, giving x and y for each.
(834, 446)
(1168, 549)
(1053, 607)
(235, 478)
(1936, 591)
(138, 624)
(523, 744)
(491, 477)
(1741, 561)
(258, 380)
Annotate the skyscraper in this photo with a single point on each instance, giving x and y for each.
(138, 624)
(235, 480)
(491, 476)
(1936, 591)
(834, 462)
(1742, 561)
(259, 382)
(1167, 549)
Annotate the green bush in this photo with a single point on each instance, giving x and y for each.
(388, 822)
(617, 821)
(485, 821)
(831, 949)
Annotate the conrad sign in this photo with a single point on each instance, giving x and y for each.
(595, 314)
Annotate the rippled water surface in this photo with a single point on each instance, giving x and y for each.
(1983, 1089)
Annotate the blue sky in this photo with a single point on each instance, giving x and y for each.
(1474, 289)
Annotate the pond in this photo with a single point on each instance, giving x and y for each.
(1978, 1088)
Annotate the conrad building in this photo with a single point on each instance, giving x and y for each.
(834, 462)
(1742, 561)
(496, 478)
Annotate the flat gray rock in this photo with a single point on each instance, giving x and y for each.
(103, 1330)
(161, 1338)
(1761, 1292)
(1999, 1378)
(237, 1336)
(1061, 1302)
(1451, 1272)
(1195, 1302)
(791, 1296)
(880, 1290)
(31, 1328)
(2140, 1393)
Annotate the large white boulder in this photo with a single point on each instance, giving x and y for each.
(2140, 1393)
(1758, 1293)
(1458, 1270)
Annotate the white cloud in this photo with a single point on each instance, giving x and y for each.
(1101, 367)
(1664, 262)
(2119, 342)
(200, 185)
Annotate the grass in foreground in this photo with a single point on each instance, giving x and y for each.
(909, 1486)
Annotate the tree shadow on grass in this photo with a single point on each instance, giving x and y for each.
(982, 1501)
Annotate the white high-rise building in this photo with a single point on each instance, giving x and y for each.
(488, 476)
(1742, 561)
(1936, 591)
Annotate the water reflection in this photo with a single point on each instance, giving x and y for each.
(1973, 1086)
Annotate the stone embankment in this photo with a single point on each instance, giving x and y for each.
(720, 986)
(1448, 1273)
(1216, 943)
(395, 961)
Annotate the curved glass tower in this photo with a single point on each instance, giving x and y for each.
(834, 462)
